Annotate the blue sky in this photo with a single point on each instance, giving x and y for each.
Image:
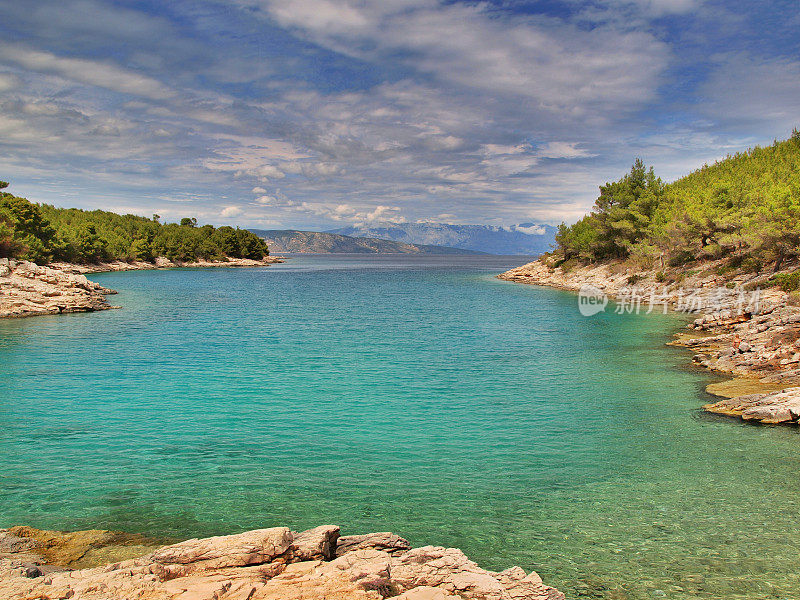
(323, 113)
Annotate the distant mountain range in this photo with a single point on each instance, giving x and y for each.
(526, 238)
(289, 240)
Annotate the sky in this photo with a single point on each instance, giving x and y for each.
(317, 114)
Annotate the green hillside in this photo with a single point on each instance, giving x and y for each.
(43, 233)
(745, 207)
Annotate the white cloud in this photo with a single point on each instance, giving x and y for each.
(91, 72)
(230, 211)
(357, 216)
(320, 15)
(267, 172)
(501, 160)
(562, 150)
(8, 82)
(443, 142)
(563, 68)
(383, 214)
(501, 166)
(96, 20)
(532, 230)
(256, 157)
(470, 110)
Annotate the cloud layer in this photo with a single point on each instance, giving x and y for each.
(312, 113)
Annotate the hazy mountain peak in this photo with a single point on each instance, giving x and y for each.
(524, 238)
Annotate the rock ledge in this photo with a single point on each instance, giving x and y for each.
(273, 563)
(27, 289)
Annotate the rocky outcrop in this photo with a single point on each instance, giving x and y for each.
(763, 353)
(251, 548)
(161, 262)
(777, 407)
(267, 564)
(450, 570)
(540, 272)
(701, 292)
(27, 289)
(383, 541)
(319, 543)
(764, 346)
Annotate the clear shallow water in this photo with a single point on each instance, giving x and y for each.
(403, 394)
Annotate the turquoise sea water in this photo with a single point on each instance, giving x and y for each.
(419, 395)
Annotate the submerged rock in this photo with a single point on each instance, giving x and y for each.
(264, 564)
(73, 550)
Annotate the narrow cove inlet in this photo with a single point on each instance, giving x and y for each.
(400, 300)
(413, 394)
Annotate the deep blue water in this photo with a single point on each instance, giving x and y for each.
(414, 394)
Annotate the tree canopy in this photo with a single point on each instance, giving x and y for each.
(748, 204)
(43, 233)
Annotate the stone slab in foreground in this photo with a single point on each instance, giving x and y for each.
(273, 564)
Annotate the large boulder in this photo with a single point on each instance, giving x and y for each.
(315, 544)
(249, 548)
(370, 568)
(383, 541)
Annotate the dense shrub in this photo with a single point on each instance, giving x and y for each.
(42, 233)
(748, 203)
(788, 282)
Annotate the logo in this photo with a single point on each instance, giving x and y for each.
(591, 300)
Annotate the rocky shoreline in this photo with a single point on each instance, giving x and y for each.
(28, 289)
(274, 563)
(162, 262)
(741, 330)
